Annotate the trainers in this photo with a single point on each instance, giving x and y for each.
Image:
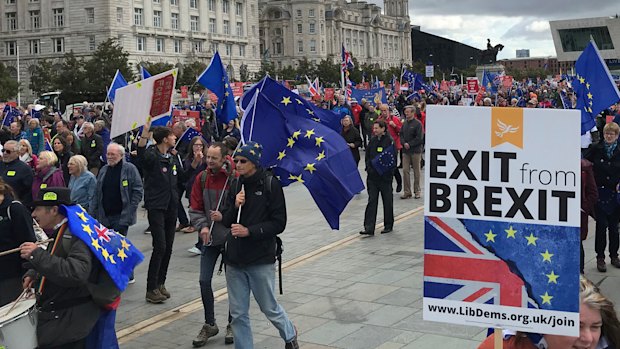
(155, 297)
(188, 229)
(600, 265)
(132, 281)
(194, 250)
(206, 332)
(292, 344)
(163, 291)
(228, 338)
(615, 262)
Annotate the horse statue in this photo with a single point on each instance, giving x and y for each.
(490, 54)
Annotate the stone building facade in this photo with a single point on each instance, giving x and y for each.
(291, 30)
(171, 31)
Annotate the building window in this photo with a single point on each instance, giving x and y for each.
(241, 50)
(298, 13)
(35, 19)
(239, 29)
(58, 17)
(157, 19)
(253, 51)
(193, 23)
(174, 2)
(10, 2)
(322, 45)
(311, 12)
(157, 1)
(312, 45)
(277, 31)
(228, 49)
(239, 9)
(119, 15)
(140, 43)
(90, 15)
(35, 46)
(11, 48)
(300, 46)
(211, 5)
(177, 46)
(312, 28)
(300, 28)
(11, 21)
(278, 48)
(197, 46)
(92, 45)
(137, 16)
(322, 28)
(226, 28)
(575, 40)
(159, 44)
(59, 45)
(215, 47)
(174, 20)
(193, 3)
(212, 26)
(225, 6)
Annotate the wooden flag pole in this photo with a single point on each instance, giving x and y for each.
(499, 338)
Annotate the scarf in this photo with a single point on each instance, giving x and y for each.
(609, 149)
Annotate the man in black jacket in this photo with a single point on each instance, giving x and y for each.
(412, 138)
(251, 247)
(16, 173)
(161, 170)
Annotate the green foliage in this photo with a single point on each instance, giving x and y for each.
(157, 68)
(44, 77)
(287, 73)
(304, 68)
(266, 68)
(328, 72)
(101, 68)
(8, 85)
(189, 74)
(72, 79)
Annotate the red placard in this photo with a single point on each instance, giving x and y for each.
(507, 81)
(472, 86)
(444, 86)
(182, 115)
(162, 95)
(213, 97)
(237, 88)
(184, 93)
(329, 94)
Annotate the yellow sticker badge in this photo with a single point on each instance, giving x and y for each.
(49, 196)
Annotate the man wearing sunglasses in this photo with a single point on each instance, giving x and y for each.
(250, 253)
(16, 173)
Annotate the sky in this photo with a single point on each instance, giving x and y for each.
(520, 24)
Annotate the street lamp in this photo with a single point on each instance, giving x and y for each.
(19, 94)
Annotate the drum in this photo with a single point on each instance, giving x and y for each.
(18, 329)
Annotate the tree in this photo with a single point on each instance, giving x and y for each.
(287, 73)
(328, 72)
(304, 68)
(157, 68)
(8, 86)
(266, 68)
(44, 77)
(73, 81)
(101, 68)
(189, 74)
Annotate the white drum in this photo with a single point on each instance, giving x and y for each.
(18, 329)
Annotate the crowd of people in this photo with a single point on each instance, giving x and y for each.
(233, 201)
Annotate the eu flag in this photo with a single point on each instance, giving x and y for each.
(118, 82)
(115, 252)
(594, 86)
(10, 115)
(291, 103)
(385, 161)
(144, 73)
(188, 135)
(488, 81)
(216, 80)
(304, 151)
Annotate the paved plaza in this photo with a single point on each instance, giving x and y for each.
(340, 289)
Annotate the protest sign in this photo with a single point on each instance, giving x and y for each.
(502, 218)
(135, 102)
(329, 94)
(373, 96)
(472, 85)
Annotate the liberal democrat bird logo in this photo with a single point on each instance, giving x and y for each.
(504, 129)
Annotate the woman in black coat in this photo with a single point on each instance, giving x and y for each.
(352, 136)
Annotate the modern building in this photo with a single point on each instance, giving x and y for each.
(170, 31)
(291, 30)
(442, 52)
(523, 53)
(570, 38)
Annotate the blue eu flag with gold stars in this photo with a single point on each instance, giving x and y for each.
(301, 150)
(115, 252)
(289, 102)
(215, 79)
(594, 86)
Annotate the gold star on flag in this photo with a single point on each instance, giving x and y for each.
(95, 244)
(581, 79)
(310, 111)
(553, 277)
(87, 229)
(510, 232)
(82, 216)
(531, 240)
(226, 94)
(256, 145)
(124, 244)
(286, 101)
(546, 298)
(490, 236)
(291, 142)
(589, 95)
(296, 134)
(297, 178)
(299, 101)
(225, 85)
(321, 156)
(105, 254)
(112, 261)
(318, 141)
(547, 256)
(309, 133)
(316, 119)
(252, 152)
(588, 85)
(310, 168)
(281, 154)
(121, 254)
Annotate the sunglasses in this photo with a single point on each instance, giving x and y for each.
(6, 151)
(243, 161)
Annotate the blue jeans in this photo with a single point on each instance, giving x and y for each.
(208, 262)
(260, 279)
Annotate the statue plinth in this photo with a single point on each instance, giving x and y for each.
(494, 68)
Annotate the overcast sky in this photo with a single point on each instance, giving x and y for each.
(514, 23)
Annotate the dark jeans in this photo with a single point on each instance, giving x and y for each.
(80, 344)
(398, 178)
(363, 133)
(208, 262)
(119, 228)
(183, 220)
(162, 223)
(370, 216)
(606, 223)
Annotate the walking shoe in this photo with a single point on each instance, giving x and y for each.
(188, 229)
(163, 291)
(228, 338)
(615, 262)
(600, 265)
(194, 250)
(155, 297)
(292, 344)
(206, 332)
(181, 226)
(417, 196)
(147, 230)
(364, 232)
(399, 187)
(406, 196)
(132, 281)
(386, 230)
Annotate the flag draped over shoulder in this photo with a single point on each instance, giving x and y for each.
(594, 86)
(301, 150)
(289, 102)
(118, 82)
(385, 161)
(215, 79)
(115, 252)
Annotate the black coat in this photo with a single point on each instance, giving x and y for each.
(375, 146)
(63, 164)
(19, 176)
(92, 149)
(13, 232)
(264, 214)
(160, 178)
(352, 135)
(606, 170)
